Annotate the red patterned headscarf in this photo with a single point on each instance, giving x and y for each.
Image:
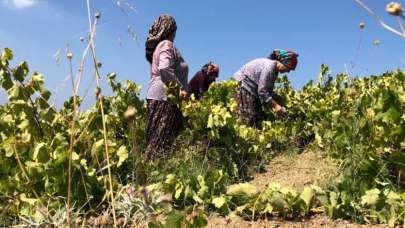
(211, 68)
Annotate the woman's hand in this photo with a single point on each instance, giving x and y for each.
(184, 94)
(278, 108)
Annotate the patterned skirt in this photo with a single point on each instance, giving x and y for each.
(250, 110)
(164, 122)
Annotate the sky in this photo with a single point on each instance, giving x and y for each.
(228, 32)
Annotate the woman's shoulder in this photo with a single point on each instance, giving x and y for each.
(198, 76)
(165, 44)
(262, 62)
(266, 60)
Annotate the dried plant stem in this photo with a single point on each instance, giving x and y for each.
(85, 189)
(72, 142)
(254, 207)
(400, 25)
(357, 52)
(81, 66)
(17, 157)
(100, 99)
(75, 89)
(383, 24)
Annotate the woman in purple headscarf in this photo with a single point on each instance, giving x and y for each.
(168, 70)
(256, 83)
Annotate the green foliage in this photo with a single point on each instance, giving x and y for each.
(360, 122)
(35, 140)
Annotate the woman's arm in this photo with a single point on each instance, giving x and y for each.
(266, 84)
(265, 88)
(166, 64)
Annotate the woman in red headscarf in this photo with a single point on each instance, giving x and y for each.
(256, 83)
(202, 80)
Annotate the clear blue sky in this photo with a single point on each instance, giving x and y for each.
(229, 32)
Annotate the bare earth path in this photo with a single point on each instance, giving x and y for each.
(296, 171)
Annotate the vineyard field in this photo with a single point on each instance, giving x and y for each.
(92, 160)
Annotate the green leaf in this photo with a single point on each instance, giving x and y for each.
(171, 179)
(240, 209)
(31, 164)
(204, 190)
(26, 137)
(268, 209)
(46, 94)
(392, 221)
(307, 195)
(122, 154)
(174, 219)
(20, 106)
(393, 198)
(8, 119)
(219, 202)
(288, 192)
(155, 224)
(48, 115)
(7, 54)
(38, 215)
(333, 199)
(37, 78)
(179, 190)
(14, 93)
(97, 146)
(210, 123)
(274, 186)
(278, 203)
(24, 125)
(8, 146)
(75, 156)
(335, 114)
(391, 115)
(244, 189)
(371, 197)
(25, 199)
(317, 189)
(41, 153)
(42, 103)
(38, 82)
(197, 199)
(200, 220)
(112, 76)
(21, 71)
(5, 79)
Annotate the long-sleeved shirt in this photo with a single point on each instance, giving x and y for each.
(199, 84)
(258, 77)
(167, 66)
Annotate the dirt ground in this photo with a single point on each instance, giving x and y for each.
(315, 221)
(295, 171)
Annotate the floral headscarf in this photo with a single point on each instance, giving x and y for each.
(161, 29)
